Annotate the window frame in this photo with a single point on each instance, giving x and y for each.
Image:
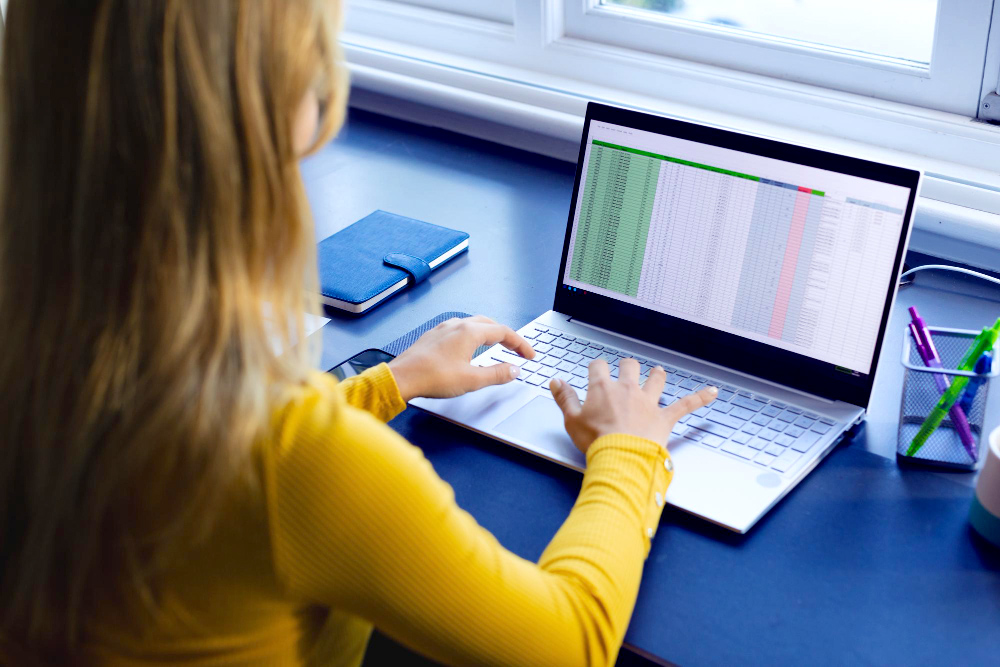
(501, 11)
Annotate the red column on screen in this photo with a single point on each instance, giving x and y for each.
(789, 264)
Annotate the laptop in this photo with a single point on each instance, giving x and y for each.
(766, 269)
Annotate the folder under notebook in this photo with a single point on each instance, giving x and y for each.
(380, 255)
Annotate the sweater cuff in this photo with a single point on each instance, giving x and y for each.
(385, 384)
(640, 468)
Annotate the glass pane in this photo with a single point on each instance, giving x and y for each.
(902, 29)
(494, 10)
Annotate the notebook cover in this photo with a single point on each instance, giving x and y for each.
(351, 266)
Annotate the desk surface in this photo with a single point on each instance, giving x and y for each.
(862, 563)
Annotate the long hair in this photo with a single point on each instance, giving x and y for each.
(155, 243)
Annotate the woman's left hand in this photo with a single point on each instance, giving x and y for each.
(437, 365)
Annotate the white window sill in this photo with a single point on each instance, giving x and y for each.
(960, 200)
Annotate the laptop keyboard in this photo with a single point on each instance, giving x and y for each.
(748, 426)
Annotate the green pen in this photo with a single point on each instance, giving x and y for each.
(984, 342)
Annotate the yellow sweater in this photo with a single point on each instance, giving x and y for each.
(346, 525)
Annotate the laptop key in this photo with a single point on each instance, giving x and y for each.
(774, 450)
(772, 411)
(761, 420)
(566, 366)
(758, 443)
(584, 341)
(580, 371)
(784, 440)
(542, 347)
(590, 353)
(574, 357)
(777, 425)
(577, 382)
(531, 366)
(721, 407)
(794, 431)
(549, 360)
(546, 338)
(724, 395)
(785, 461)
(752, 429)
(787, 417)
(747, 403)
(804, 422)
(694, 434)
(560, 342)
(806, 441)
(536, 379)
(724, 419)
(712, 440)
(768, 434)
(690, 384)
(820, 427)
(741, 413)
(513, 359)
(763, 459)
(711, 427)
(557, 353)
(742, 438)
(546, 371)
(576, 347)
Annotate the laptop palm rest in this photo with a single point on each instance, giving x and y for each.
(540, 423)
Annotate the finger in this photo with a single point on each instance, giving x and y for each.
(598, 372)
(566, 398)
(691, 402)
(655, 382)
(628, 371)
(487, 376)
(492, 333)
(482, 319)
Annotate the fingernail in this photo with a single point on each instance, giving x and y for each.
(713, 390)
(514, 371)
(558, 384)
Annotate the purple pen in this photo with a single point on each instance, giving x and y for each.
(927, 351)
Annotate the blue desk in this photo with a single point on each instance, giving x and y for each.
(862, 563)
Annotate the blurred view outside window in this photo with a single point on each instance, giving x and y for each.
(900, 29)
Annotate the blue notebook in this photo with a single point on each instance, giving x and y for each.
(364, 264)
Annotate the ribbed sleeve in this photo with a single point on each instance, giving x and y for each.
(360, 522)
(374, 391)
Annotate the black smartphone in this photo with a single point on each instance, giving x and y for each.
(359, 363)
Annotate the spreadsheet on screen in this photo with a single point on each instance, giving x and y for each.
(793, 256)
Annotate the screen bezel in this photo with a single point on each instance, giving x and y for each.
(759, 359)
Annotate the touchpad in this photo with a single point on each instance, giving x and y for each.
(539, 424)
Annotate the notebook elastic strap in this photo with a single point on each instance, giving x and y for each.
(417, 268)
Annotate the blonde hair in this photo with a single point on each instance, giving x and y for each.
(155, 240)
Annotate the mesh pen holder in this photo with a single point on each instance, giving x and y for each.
(920, 394)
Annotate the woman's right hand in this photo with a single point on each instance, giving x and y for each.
(623, 406)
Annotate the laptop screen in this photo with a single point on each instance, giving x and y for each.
(793, 256)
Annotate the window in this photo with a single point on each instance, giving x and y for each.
(919, 52)
(898, 29)
(901, 81)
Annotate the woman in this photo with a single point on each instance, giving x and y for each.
(173, 491)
